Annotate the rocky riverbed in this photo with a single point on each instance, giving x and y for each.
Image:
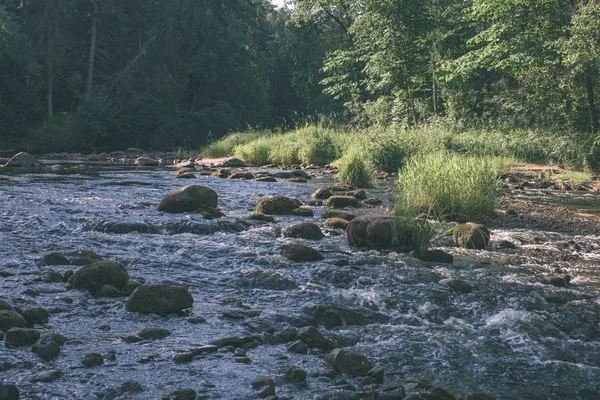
(517, 320)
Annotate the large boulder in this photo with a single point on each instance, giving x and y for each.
(159, 299)
(233, 163)
(21, 337)
(146, 162)
(48, 346)
(342, 202)
(188, 198)
(305, 230)
(386, 233)
(471, 236)
(277, 205)
(350, 362)
(23, 159)
(97, 274)
(11, 319)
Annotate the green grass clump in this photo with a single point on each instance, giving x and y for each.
(411, 233)
(226, 145)
(256, 151)
(573, 177)
(354, 169)
(449, 185)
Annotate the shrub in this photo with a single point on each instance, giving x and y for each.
(448, 185)
(355, 170)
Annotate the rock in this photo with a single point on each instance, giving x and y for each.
(297, 180)
(23, 159)
(4, 305)
(181, 394)
(111, 291)
(189, 198)
(471, 236)
(81, 257)
(241, 175)
(302, 212)
(277, 205)
(350, 362)
(378, 374)
(480, 396)
(560, 281)
(153, 333)
(221, 173)
(265, 391)
(438, 393)
(298, 347)
(295, 375)
(380, 233)
(46, 347)
(261, 381)
(131, 387)
(359, 194)
(233, 163)
(35, 315)
(47, 376)
(124, 227)
(9, 392)
(336, 223)
(271, 280)
(146, 162)
(51, 277)
(436, 256)
(56, 259)
(398, 393)
(321, 193)
(300, 253)
(313, 338)
(503, 244)
(265, 179)
(373, 201)
(235, 341)
(182, 358)
(159, 299)
(92, 360)
(331, 315)
(305, 230)
(97, 274)
(21, 337)
(11, 319)
(183, 174)
(459, 285)
(196, 320)
(338, 214)
(342, 202)
(260, 217)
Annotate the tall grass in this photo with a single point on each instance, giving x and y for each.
(225, 146)
(449, 185)
(355, 170)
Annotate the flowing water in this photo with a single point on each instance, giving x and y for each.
(504, 337)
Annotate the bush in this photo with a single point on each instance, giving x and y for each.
(355, 169)
(449, 185)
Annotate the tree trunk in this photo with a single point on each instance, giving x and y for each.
(589, 83)
(92, 48)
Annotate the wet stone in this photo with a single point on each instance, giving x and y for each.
(305, 230)
(338, 214)
(94, 276)
(188, 198)
(436, 256)
(47, 376)
(153, 333)
(51, 277)
(110, 291)
(298, 347)
(313, 338)
(260, 217)
(159, 299)
(4, 305)
(11, 319)
(261, 381)
(438, 393)
(196, 320)
(243, 360)
(181, 394)
(300, 253)
(302, 212)
(295, 375)
(182, 358)
(277, 205)
(21, 337)
(132, 339)
(92, 360)
(130, 387)
(480, 396)
(9, 392)
(265, 392)
(350, 362)
(396, 393)
(459, 285)
(56, 259)
(342, 202)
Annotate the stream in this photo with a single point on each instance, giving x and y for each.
(513, 336)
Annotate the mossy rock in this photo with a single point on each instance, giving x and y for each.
(302, 212)
(241, 175)
(305, 230)
(436, 256)
(260, 217)
(277, 205)
(159, 299)
(338, 214)
(322, 194)
(336, 223)
(11, 319)
(188, 198)
(471, 236)
(402, 235)
(342, 202)
(93, 276)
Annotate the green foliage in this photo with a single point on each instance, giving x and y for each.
(225, 146)
(411, 232)
(355, 169)
(254, 152)
(448, 185)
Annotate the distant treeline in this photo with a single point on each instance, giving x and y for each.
(106, 74)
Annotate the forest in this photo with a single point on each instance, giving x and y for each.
(96, 75)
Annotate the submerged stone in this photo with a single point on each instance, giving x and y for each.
(94, 276)
(159, 299)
